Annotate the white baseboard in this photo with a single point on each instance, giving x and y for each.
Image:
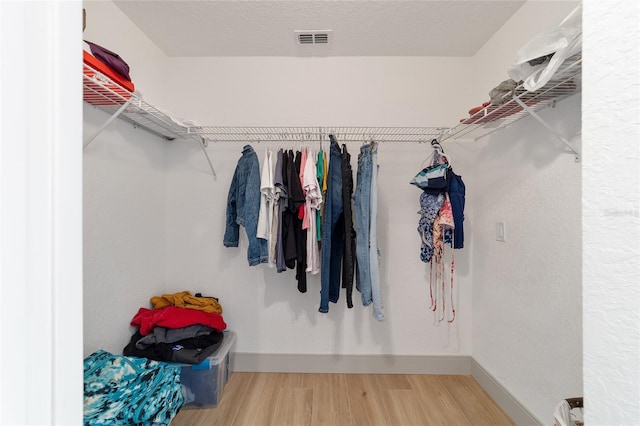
(509, 403)
(367, 364)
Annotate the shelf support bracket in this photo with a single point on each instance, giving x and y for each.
(106, 123)
(202, 143)
(551, 129)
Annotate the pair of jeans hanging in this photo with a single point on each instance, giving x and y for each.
(374, 253)
(366, 212)
(349, 233)
(362, 212)
(332, 240)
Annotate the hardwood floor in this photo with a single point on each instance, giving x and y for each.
(282, 399)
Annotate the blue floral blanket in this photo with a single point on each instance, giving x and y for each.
(121, 390)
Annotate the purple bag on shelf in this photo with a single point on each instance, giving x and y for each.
(111, 59)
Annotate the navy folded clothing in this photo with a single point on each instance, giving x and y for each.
(189, 351)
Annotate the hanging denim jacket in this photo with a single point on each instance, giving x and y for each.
(243, 206)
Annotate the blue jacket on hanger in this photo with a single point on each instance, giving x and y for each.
(243, 206)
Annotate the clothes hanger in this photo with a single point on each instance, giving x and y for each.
(436, 144)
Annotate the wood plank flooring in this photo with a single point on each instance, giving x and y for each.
(292, 399)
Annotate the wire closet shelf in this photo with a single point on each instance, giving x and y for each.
(106, 95)
(521, 103)
(102, 92)
(318, 134)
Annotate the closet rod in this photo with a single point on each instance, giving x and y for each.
(318, 134)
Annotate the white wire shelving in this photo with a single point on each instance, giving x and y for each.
(108, 96)
(318, 134)
(105, 94)
(521, 103)
(102, 92)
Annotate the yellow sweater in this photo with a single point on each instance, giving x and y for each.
(184, 299)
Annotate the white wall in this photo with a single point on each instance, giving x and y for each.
(124, 229)
(124, 196)
(610, 213)
(40, 214)
(527, 329)
(317, 91)
(264, 307)
(112, 29)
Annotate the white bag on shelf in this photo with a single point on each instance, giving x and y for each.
(564, 415)
(563, 42)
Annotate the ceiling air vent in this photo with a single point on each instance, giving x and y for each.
(305, 38)
(313, 36)
(321, 38)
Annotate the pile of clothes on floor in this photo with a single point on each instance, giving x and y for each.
(181, 328)
(143, 386)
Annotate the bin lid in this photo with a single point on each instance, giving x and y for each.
(218, 356)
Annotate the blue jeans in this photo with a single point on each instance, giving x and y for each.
(362, 213)
(332, 246)
(373, 239)
(348, 264)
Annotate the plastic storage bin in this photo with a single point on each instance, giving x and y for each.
(204, 382)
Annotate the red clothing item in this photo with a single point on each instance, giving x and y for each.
(488, 113)
(173, 317)
(477, 109)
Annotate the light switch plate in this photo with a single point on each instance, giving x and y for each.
(501, 233)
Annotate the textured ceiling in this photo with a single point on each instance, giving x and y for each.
(360, 28)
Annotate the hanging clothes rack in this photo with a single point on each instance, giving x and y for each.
(317, 134)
